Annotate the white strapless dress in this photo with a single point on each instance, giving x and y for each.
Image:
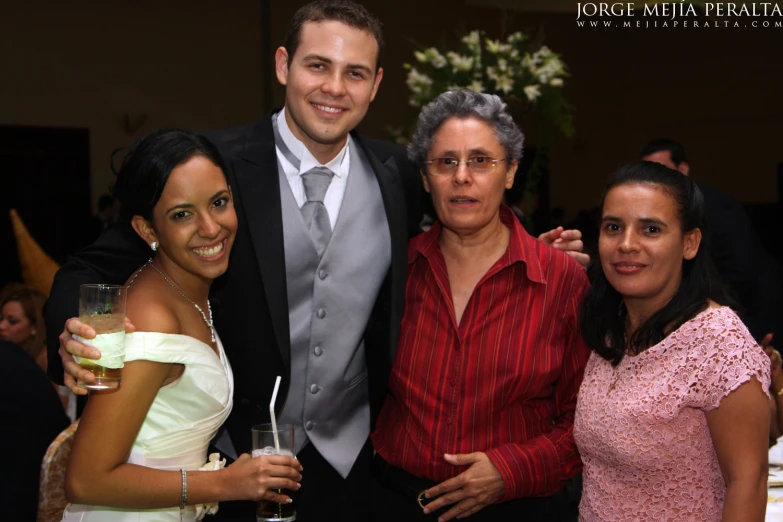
(183, 418)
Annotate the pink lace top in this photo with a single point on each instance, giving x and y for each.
(641, 428)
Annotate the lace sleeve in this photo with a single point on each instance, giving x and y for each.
(727, 356)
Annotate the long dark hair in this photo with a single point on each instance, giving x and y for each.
(603, 314)
(148, 164)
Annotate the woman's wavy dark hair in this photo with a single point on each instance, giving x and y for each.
(603, 314)
(148, 164)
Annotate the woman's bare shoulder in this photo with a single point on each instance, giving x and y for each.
(150, 307)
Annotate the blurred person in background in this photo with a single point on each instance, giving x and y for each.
(107, 215)
(735, 247)
(31, 419)
(21, 322)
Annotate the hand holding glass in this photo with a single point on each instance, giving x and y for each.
(102, 308)
(264, 443)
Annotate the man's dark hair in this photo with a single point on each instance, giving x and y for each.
(345, 11)
(105, 201)
(603, 314)
(675, 149)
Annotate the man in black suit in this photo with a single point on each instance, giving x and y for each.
(330, 66)
(734, 245)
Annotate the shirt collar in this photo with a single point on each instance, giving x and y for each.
(522, 247)
(339, 164)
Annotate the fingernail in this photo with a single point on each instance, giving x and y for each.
(426, 511)
(289, 501)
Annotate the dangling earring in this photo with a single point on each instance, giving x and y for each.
(154, 246)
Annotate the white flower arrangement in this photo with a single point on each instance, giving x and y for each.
(530, 78)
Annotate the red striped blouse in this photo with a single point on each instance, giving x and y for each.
(503, 382)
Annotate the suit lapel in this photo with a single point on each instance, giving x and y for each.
(388, 176)
(259, 188)
(255, 167)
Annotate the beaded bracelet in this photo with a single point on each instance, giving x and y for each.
(183, 499)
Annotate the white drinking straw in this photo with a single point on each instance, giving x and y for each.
(272, 414)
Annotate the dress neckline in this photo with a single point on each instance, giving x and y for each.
(219, 353)
(665, 340)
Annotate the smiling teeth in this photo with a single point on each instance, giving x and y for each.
(209, 251)
(328, 109)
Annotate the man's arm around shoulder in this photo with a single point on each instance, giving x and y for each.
(110, 260)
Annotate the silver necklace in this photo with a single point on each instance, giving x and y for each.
(209, 322)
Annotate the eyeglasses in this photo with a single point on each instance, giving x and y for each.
(448, 166)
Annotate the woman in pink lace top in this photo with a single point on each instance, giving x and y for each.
(672, 417)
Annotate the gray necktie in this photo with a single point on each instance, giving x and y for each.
(316, 218)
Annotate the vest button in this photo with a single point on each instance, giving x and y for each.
(321, 313)
(313, 388)
(322, 274)
(309, 425)
(318, 351)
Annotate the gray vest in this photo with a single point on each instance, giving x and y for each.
(329, 304)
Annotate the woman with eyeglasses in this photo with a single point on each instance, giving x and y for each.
(478, 421)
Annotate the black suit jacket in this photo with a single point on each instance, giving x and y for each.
(742, 262)
(250, 300)
(32, 416)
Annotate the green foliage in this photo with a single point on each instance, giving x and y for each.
(528, 76)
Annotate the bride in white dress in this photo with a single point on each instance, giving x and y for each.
(133, 444)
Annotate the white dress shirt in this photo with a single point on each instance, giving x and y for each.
(340, 165)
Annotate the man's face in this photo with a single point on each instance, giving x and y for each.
(329, 84)
(664, 157)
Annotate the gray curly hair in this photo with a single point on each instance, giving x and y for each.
(464, 103)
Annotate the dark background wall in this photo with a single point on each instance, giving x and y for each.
(121, 69)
